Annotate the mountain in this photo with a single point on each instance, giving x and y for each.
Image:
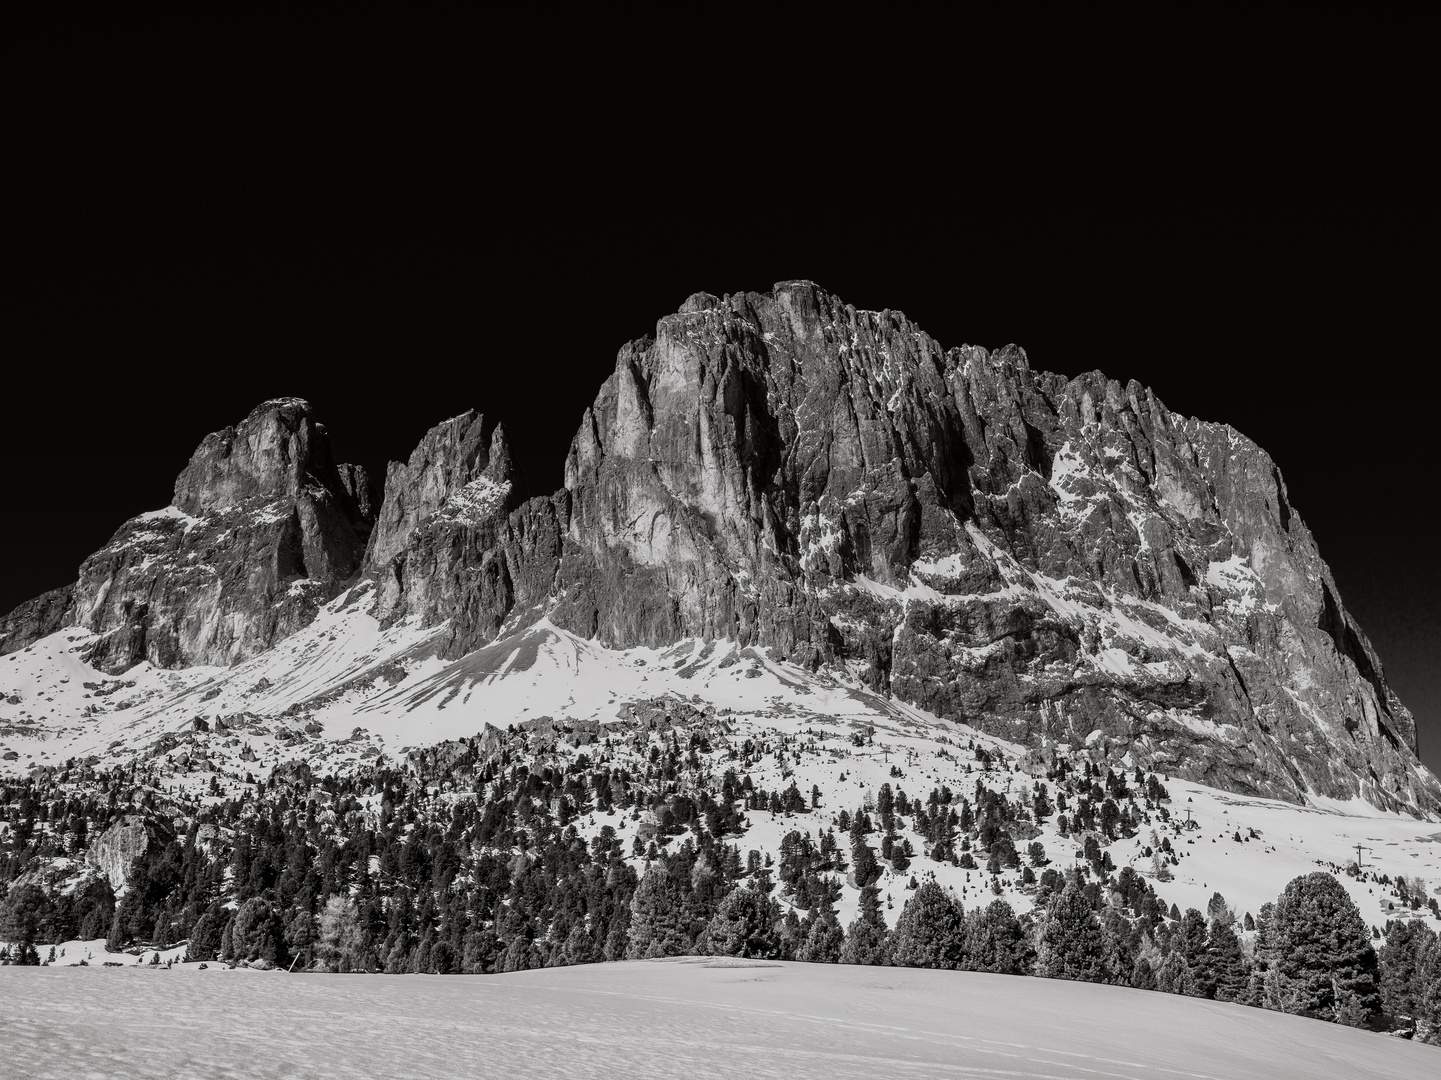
(263, 528)
(830, 635)
(1062, 564)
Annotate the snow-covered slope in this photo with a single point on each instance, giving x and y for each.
(344, 690)
(702, 1018)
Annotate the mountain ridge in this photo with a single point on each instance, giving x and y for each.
(1057, 562)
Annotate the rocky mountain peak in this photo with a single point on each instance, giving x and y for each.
(278, 452)
(1060, 562)
(272, 453)
(264, 528)
(463, 468)
(357, 484)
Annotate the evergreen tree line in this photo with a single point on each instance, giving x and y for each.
(464, 865)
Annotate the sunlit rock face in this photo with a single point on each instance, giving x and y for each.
(1052, 560)
(463, 467)
(262, 529)
(439, 545)
(1055, 561)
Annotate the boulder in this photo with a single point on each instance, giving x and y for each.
(118, 846)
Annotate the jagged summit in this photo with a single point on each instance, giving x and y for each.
(1062, 563)
(1057, 561)
(463, 464)
(264, 527)
(275, 452)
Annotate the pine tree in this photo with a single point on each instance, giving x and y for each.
(578, 947)
(1227, 970)
(1426, 989)
(870, 906)
(931, 930)
(205, 935)
(1402, 961)
(117, 939)
(1174, 975)
(996, 941)
(745, 925)
(657, 918)
(1121, 949)
(1263, 954)
(617, 936)
(23, 911)
(255, 932)
(867, 867)
(866, 943)
(519, 955)
(1192, 942)
(867, 939)
(824, 941)
(1324, 963)
(478, 955)
(443, 958)
(792, 935)
(1218, 910)
(299, 935)
(227, 941)
(1147, 961)
(1071, 942)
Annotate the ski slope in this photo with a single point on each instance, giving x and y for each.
(702, 1019)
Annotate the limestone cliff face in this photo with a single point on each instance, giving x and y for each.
(462, 469)
(262, 530)
(435, 549)
(35, 619)
(1050, 560)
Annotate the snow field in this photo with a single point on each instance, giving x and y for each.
(706, 1019)
(93, 953)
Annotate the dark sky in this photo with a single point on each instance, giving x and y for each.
(1276, 273)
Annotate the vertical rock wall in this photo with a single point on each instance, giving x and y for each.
(1055, 561)
(1051, 560)
(262, 531)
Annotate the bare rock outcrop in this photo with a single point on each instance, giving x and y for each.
(262, 530)
(1056, 561)
(1060, 562)
(117, 847)
(439, 545)
(35, 619)
(461, 470)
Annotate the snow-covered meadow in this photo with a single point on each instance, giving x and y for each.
(694, 1018)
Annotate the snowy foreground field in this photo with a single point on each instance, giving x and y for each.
(691, 1018)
